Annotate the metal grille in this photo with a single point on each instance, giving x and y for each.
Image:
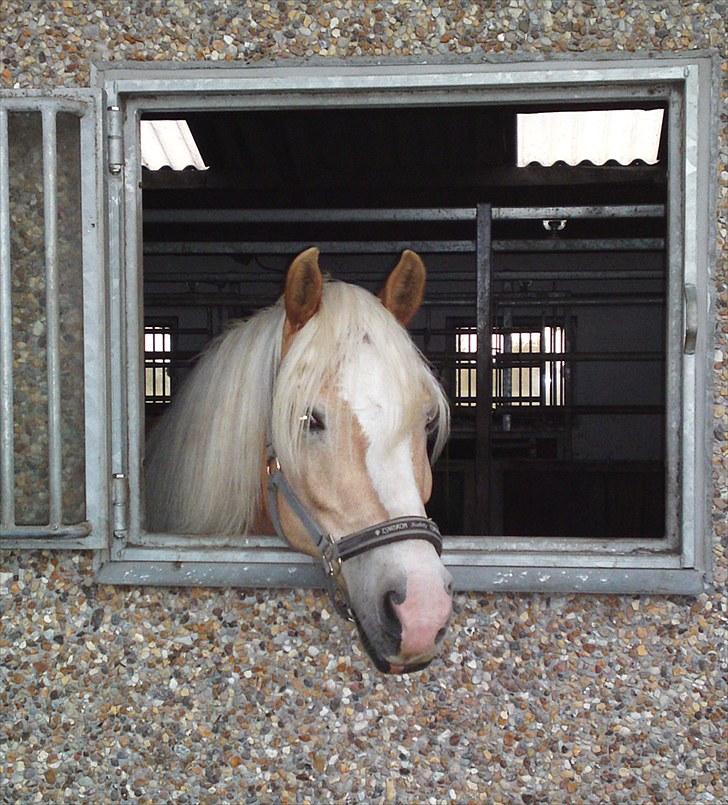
(47, 205)
(158, 350)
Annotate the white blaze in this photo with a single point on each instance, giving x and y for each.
(364, 386)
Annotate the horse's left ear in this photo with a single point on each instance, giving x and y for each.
(405, 287)
(304, 288)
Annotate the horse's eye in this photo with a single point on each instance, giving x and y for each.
(314, 421)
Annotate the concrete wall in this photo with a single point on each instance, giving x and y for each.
(156, 695)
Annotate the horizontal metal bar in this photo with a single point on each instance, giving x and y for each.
(528, 358)
(294, 247)
(168, 300)
(7, 450)
(585, 410)
(598, 81)
(570, 213)
(296, 216)
(498, 579)
(45, 532)
(212, 541)
(274, 276)
(396, 246)
(580, 245)
(378, 215)
(30, 103)
(619, 581)
(586, 274)
(566, 302)
(560, 551)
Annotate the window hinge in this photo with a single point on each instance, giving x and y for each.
(115, 145)
(120, 511)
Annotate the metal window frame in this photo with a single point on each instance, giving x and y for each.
(678, 564)
(93, 531)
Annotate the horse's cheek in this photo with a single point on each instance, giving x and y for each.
(423, 472)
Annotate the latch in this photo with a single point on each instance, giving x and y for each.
(120, 507)
(691, 318)
(114, 140)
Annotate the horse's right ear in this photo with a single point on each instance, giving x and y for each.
(304, 287)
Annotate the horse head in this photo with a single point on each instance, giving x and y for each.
(354, 404)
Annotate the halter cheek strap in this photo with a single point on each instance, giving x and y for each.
(323, 542)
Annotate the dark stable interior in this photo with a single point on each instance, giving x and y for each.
(566, 438)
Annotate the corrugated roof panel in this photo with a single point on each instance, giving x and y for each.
(623, 135)
(169, 143)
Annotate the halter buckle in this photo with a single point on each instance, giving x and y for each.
(330, 557)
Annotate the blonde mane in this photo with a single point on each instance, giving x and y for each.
(204, 459)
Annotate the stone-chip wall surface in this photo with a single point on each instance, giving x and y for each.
(231, 696)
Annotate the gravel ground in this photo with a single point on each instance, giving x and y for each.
(197, 696)
(229, 696)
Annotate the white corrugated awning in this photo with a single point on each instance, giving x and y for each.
(623, 135)
(169, 144)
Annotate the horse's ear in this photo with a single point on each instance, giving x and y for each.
(405, 287)
(304, 287)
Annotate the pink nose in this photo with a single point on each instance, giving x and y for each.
(423, 616)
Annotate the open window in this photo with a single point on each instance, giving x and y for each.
(575, 291)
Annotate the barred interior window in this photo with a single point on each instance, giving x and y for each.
(157, 362)
(521, 375)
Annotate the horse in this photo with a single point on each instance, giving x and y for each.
(313, 419)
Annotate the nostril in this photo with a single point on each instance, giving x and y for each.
(391, 618)
(440, 635)
(448, 588)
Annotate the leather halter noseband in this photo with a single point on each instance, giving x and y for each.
(335, 552)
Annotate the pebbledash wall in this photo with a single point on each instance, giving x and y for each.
(208, 695)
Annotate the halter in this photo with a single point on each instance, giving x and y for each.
(335, 553)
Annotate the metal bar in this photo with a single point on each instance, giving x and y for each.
(387, 247)
(586, 274)
(7, 450)
(50, 213)
(586, 410)
(42, 102)
(581, 245)
(484, 364)
(285, 573)
(429, 214)
(617, 580)
(294, 247)
(134, 319)
(244, 275)
(581, 302)
(415, 82)
(593, 212)
(295, 216)
(201, 299)
(76, 531)
(532, 358)
(96, 330)
(690, 453)
(675, 258)
(241, 542)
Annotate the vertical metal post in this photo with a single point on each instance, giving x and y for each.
(50, 212)
(7, 449)
(675, 266)
(484, 364)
